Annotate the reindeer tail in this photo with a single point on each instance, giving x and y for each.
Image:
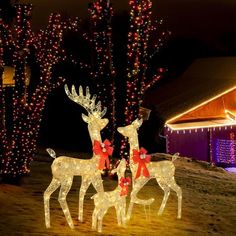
(51, 152)
(94, 196)
(175, 156)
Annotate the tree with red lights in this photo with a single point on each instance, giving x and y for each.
(145, 38)
(21, 45)
(102, 71)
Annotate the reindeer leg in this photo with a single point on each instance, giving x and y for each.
(139, 183)
(178, 190)
(101, 214)
(65, 188)
(84, 186)
(46, 196)
(166, 190)
(123, 212)
(118, 214)
(94, 218)
(136, 188)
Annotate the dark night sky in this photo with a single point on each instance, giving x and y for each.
(207, 20)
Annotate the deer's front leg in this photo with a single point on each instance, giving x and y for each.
(95, 218)
(84, 186)
(97, 182)
(118, 214)
(123, 212)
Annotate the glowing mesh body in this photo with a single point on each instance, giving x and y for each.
(105, 200)
(64, 168)
(162, 171)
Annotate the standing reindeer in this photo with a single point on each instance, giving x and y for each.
(65, 168)
(116, 198)
(162, 171)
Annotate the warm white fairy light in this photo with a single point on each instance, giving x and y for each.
(65, 168)
(116, 198)
(162, 171)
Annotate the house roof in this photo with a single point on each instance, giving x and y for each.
(207, 83)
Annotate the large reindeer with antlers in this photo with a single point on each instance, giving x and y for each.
(65, 168)
(162, 171)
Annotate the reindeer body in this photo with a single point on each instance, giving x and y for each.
(65, 168)
(73, 167)
(162, 171)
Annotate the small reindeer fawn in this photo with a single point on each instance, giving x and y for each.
(65, 168)
(162, 171)
(116, 198)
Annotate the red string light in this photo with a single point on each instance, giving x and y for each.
(102, 69)
(19, 144)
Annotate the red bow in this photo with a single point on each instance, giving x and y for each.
(124, 183)
(141, 158)
(104, 150)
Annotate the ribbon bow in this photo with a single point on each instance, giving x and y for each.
(124, 184)
(141, 158)
(103, 150)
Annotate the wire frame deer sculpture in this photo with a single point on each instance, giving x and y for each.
(117, 198)
(162, 171)
(65, 168)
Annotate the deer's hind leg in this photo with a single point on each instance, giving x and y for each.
(65, 188)
(55, 183)
(166, 190)
(172, 184)
(139, 183)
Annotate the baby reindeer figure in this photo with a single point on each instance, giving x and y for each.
(162, 171)
(65, 168)
(116, 198)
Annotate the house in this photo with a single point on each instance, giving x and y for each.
(9, 73)
(199, 111)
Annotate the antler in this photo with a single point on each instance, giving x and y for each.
(86, 101)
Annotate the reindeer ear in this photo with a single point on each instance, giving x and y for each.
(114, 171)
(140, 121)
(85, 118)
(105, 121)
(137, 123)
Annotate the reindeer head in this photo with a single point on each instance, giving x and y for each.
(120, 169)
(95, 113)
(130, 130)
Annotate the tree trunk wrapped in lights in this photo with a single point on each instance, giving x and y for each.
(144, 40)
(102, 68)
(19, 142)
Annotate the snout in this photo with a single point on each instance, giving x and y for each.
(120, 130)
(106, 121)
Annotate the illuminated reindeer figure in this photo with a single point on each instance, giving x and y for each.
(116, 198)
(162, 171)
(65, 168)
